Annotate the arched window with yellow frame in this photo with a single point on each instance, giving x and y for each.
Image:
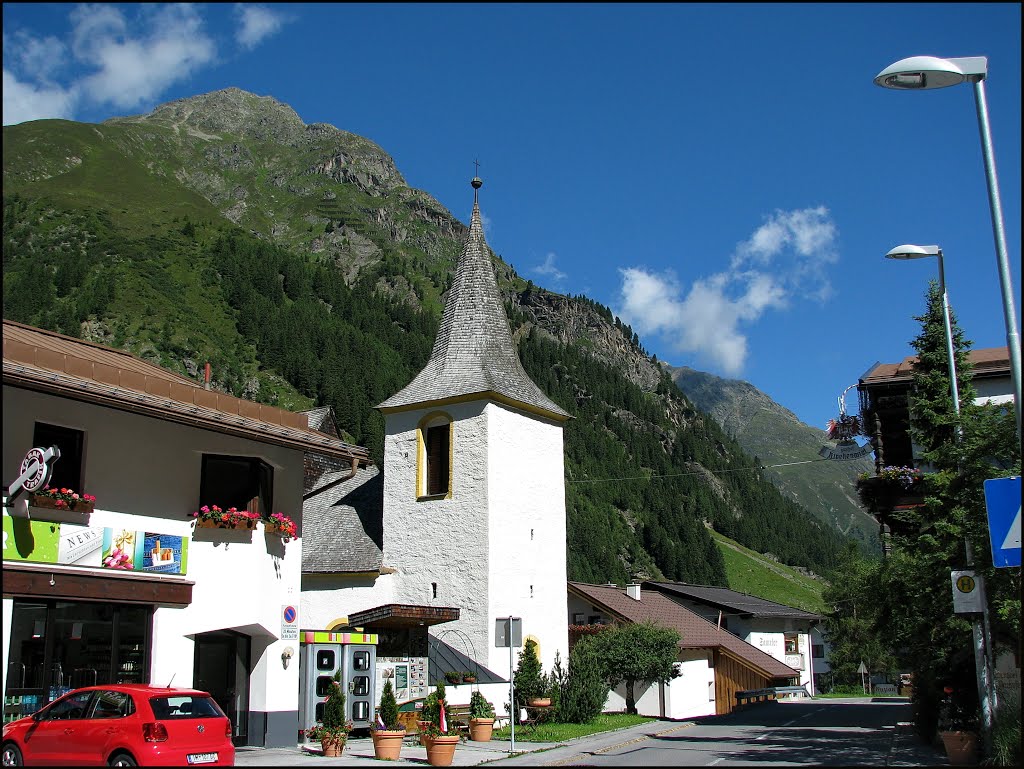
(434, 456)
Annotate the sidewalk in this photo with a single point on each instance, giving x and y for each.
(906, 749)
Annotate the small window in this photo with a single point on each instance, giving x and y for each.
(67, 471)
(323, 685)
(577, 619)
(246, 483)
(325, 659)
(361, 686)
(818, 650)
(792, 643)
(437, 449)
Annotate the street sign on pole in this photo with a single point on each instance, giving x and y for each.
(508, 631)
(1002, 500)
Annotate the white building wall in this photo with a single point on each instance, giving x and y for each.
(329, 599)
(440, 542)
(146, 474)
(496, 547)
(526, 542)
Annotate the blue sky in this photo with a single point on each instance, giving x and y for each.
(726, 178)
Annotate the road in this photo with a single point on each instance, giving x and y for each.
(817, 733)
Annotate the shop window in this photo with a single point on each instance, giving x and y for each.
(246, 483)
(792, 643)
(67, 471)
(55, 646)
(435, 460)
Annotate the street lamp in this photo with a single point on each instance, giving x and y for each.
(928, 72)
(921, 252)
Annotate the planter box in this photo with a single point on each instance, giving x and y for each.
(49, 503)
(241, 526)
(279, 531)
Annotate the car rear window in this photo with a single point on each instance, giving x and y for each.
(185, 706)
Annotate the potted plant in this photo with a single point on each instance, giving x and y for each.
(453, 677)
(282, 525)
(63, 499)
(958, 728)
(468, 677)
(387, 733)
(481, 718)
(213, 517)
(332, 732)
(437, 736)
(891, 486)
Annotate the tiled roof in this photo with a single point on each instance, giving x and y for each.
(50, 362)
(342, 526)
(473, 353)
(989, 361)
(723, 598)
(696, 632)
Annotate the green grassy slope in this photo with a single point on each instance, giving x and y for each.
(752, 573)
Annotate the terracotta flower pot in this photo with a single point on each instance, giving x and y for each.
(539, 702)
(422, 727)
(961, 747)
(387, 744)
(480, 729)
(441, 750)
(332, 746)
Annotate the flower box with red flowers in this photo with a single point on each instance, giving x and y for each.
(281, 525)
(214, 517)
(63, 499)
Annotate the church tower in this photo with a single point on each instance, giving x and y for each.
(474, 485)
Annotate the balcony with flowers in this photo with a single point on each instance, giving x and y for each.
(892, 490)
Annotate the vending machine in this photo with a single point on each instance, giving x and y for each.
(321, 655)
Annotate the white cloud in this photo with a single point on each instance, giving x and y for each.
(25, 101)
(784, 258)
(135, 70)
(548, 268)
(256, 23)
(114, 60)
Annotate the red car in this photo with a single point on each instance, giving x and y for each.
(122, 725)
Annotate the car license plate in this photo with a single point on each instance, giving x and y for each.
(201, 758)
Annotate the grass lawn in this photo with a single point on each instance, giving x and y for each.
(552, 732)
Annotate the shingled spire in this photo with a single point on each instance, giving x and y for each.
(474, 353)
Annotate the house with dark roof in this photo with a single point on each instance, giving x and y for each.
(713, 664)
(789, 634)
(132, 589)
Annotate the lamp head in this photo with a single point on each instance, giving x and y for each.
(910, 251)
(926, 72)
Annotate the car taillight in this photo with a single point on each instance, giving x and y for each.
(227, 730)
(154, 732)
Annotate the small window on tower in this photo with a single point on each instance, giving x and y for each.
(436, 457)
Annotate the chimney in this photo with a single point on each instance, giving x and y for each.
(633, 590)
(206, 377)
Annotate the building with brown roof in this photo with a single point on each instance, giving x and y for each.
(713, 663)
(131, 589)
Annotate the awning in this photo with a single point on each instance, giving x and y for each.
(396, 615)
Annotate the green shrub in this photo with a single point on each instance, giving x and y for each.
(389, 708)
(479, 706)
(585, 691)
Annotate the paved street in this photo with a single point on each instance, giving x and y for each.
(816, 733)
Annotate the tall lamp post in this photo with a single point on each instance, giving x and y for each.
(927, 72)
(981, 632)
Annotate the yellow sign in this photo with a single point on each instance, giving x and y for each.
(965, 583)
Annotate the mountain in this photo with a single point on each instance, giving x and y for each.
(777, 437)
(296, 260)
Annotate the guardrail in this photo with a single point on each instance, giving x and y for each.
(791, 692)
(750, 696)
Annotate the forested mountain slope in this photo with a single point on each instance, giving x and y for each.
(295, 259)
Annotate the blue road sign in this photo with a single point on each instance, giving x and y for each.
(1002, 500)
